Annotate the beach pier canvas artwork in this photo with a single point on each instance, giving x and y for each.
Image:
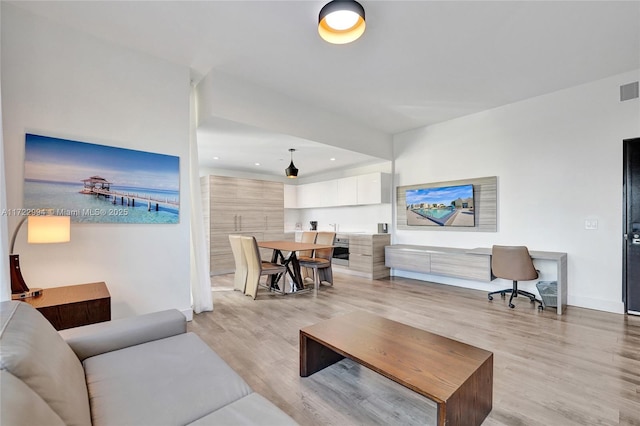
(99, 183)
(441, 206)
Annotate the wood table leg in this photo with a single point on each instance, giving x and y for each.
(314, 356)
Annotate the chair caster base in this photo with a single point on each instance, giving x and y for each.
(490, 297)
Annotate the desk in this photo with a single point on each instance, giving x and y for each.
(291, 262)
(469, 264)
(457, 376)
(74, 305)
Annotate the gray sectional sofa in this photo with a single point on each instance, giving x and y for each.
(144, 370)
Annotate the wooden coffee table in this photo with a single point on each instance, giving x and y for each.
(457, 376)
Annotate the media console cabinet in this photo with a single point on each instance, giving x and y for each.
(74, 305)
(470, 264)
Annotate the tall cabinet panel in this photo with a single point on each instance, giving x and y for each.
(241, 207)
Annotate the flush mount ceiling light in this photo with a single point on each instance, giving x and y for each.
(341, 21)
(291, 171)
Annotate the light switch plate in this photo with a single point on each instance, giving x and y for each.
(591, 224)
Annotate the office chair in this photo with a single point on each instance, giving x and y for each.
(513, 263)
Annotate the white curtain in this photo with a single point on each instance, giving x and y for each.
(200, 281)
(5, 284)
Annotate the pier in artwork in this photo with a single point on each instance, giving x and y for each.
(100, 187)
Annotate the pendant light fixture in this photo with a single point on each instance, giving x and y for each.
(291, 171)
(341, 21)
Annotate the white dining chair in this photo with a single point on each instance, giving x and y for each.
(240, 278)
(320, 263)
(256, 267)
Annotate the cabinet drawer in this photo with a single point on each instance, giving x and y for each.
(361, 262)
(363, 240)
(360, 249)
(408, 260)
(467, 266)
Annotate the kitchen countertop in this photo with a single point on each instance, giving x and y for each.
(340, 233)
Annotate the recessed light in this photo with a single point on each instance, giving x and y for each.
(257, 164)
(216, 158)
(332, 159)
(341, 21)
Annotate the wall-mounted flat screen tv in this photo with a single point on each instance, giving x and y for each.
(442, 206)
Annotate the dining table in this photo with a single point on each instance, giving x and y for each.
(290, 261)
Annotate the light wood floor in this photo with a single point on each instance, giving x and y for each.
(582, 368)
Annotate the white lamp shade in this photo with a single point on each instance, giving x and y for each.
(48, 229)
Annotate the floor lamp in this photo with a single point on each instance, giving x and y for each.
(40, 230)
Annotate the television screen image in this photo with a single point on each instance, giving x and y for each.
(442, 206)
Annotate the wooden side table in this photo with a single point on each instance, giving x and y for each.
(74, 305)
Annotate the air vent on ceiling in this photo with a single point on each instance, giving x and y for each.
(629, 91)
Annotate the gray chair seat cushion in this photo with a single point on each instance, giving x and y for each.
(171, 381)
(253, 409)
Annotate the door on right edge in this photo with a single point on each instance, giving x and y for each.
(631, 251)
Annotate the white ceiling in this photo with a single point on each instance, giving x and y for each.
(418, 63)
(251, 150)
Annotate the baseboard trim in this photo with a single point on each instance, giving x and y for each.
(616, 307)
(188, 313)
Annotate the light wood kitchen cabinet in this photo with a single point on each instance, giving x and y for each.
(366, 254)
(241, 207)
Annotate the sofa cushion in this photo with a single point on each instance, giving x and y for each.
(32, 351)
(20, 405)
(95, 339)
(165, 382)
(253, 409)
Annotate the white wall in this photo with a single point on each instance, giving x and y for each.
(5, 283)
(349, 219)
(62, 83)
(558, 159)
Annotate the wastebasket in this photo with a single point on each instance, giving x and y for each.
(548, 293)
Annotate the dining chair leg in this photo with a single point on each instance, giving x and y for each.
(251, 288)
(316, 281)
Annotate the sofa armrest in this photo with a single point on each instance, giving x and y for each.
(95, 339)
